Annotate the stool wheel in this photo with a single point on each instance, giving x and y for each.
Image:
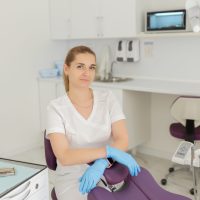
(171, 169)
(163, 181)
(192, 191)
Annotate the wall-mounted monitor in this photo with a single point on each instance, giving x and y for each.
(166, 20)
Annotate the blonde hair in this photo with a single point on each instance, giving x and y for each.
(71, 57)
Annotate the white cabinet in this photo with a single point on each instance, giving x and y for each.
(137, 106)
(60, 19)
(32, 185)
(118, 18)
(76, 19)
(84, 18)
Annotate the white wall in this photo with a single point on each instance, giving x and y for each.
(25, 46)
(163, 5)
(171, 58)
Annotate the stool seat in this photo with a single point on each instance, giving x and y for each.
(179, 131)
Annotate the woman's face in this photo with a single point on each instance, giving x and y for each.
(81, 71)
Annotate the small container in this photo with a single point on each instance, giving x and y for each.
(59, 65)
(48, 73)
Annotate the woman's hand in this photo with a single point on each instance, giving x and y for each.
(92, 175)
(123, 158)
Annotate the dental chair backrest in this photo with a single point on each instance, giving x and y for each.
(50, 160)
(186, 110)
(49, 155)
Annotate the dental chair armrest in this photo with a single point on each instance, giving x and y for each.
(116, 173)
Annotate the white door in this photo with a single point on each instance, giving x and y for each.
(60, 19)
(84, 18)
(118, 18)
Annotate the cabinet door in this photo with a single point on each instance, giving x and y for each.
(60, 19)
(84, 16)
(118, 18)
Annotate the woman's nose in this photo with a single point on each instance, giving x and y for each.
(86, 70)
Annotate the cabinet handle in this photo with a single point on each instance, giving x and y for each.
(101, 19)
(21, 190)
(36, 186)
(26, 195)
(98, 26)
(20, 196)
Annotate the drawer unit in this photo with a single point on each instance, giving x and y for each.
(34, 187)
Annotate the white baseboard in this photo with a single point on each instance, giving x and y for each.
(155, 152)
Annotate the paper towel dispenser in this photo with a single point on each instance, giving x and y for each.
(133, 51)
(128, 51)
(121, 51)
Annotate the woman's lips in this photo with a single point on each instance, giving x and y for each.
(86, 80)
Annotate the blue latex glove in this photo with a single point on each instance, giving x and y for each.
(92, 175)
(123, 158)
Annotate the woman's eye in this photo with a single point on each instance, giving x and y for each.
(79, 66)
(93, 68)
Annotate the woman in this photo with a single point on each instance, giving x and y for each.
(83, 126)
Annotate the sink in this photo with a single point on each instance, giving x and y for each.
(113, 79)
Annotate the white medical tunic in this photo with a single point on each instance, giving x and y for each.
(95, 131)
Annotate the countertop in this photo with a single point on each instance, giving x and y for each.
(177, 87)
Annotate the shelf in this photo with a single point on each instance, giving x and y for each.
(172, 34)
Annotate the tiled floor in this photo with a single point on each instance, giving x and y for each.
(179, 183)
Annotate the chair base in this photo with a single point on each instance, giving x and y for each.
(175, 168)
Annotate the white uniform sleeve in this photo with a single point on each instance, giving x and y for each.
(115, 109)
(54, 123)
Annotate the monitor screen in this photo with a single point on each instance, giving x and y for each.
(166, 20)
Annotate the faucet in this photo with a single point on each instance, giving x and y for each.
(110, 76)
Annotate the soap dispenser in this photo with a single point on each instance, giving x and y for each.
(133, 51)
(121, 51)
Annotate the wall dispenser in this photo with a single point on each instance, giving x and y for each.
(133, 50)
(121, 51)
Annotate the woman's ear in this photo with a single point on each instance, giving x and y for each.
(66, 69)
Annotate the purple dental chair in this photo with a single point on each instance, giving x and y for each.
(141, 187)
